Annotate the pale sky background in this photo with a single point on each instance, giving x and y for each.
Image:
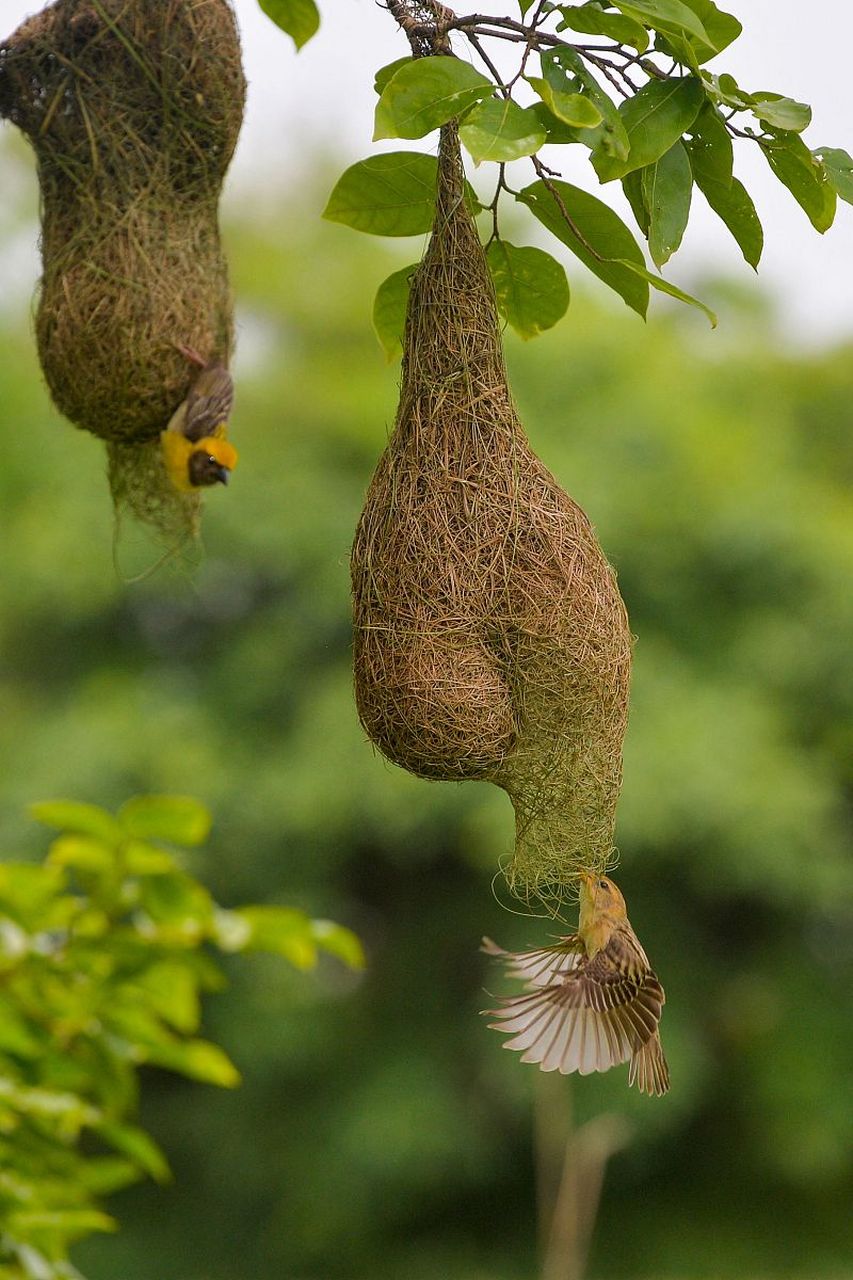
(320, 102)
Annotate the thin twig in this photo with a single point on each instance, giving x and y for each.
(503, 89)
(543, 172)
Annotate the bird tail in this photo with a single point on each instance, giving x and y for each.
(649, 1070)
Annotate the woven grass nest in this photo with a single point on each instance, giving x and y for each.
(133, 108)
(490, 638)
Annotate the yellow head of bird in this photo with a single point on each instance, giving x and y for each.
(211, 462)
(600, 899)
(197, 464)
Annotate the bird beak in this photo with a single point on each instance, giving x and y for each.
(223, 475)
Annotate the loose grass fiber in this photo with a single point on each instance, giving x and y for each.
(490, 639)
(133, 108)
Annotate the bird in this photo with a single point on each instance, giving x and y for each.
(195, 450)
(591, 1000)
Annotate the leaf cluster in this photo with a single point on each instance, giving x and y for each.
(626, 82)
(105, 954)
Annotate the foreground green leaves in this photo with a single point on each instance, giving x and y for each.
(105, 955)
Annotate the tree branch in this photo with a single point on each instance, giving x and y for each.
(425, 24)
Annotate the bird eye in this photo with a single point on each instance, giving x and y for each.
(211, 460)
(602, 884)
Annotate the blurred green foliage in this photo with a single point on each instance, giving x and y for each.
(380, 1131)
(104, 957)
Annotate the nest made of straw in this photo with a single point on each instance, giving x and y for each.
(490, 638)
(133, 109)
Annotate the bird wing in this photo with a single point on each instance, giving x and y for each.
(210, 400)
(595, 1015)
(540, 967)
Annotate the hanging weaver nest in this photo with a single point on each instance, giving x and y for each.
(133, 109)
(490, 638)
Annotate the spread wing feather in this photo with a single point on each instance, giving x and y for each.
(541, 967)
(585, 1014)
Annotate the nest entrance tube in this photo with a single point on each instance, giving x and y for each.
(490, 638)
(133, 110)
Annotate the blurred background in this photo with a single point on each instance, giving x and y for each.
(380, 1131)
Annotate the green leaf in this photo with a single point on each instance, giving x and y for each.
(171, 989)
(83, 853)
(572, 108)
(103, 1175)
(654, 119)
(601, 239)
(143, 859)
(16, 1035)
(176, 902)
(839, 169)
(721, 29)
(282, 930)
(426, 93)
(667, 188)
(590, 20)
(609, 138)
(804, 176)
(83, 819)
(711, 146)
(632, 185)
(671, 290)
(668, 16)
(664, 14)
(386, 195)
(781, 113)
(196, 1059)
(176, 819)
(139, 1147)
(386, 73)
(726, 90)
(298, 18)
(530, 286)
(498, 129)
(29, 893)
(557, 133)
(71, 1224)
(339, 941)
(728, 197)
(389, 310)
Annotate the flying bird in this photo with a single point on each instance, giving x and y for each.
(195, 450)
(591, 1001)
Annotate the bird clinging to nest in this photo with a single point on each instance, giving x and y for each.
(591, 1000)
(195, 450)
